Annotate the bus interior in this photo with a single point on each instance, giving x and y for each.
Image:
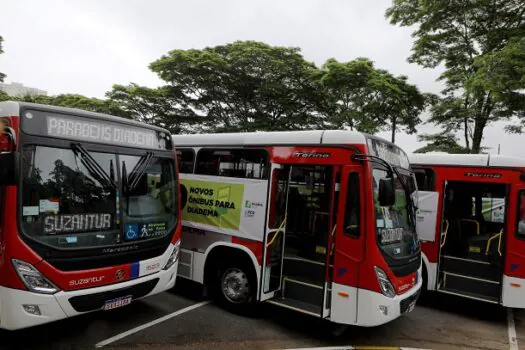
(472, 240)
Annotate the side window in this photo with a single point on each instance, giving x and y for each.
(352, 217)
(242, 163)
(185, 159)
(520, 231)
(424, 179)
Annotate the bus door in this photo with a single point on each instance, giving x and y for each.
(348, 248)
(472, 246)
(514, 271)
(274, 240)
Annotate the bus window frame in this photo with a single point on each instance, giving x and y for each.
(194, 161)
(267, 164)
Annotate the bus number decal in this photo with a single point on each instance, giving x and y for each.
(391, 235)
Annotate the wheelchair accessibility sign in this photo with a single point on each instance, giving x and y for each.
(132, 232)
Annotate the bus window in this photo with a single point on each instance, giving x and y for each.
(278, 200)
(186, 160)
(425, 179)
(241, 163)
(352, 227)
(520, 232)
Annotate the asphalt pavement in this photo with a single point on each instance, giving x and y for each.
(181, 319)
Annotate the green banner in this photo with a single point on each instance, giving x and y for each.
(212, 203)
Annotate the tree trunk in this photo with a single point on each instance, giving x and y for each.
(467, 141)
(479, 126)
(394, 126)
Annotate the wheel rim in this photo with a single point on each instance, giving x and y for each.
(235, 286)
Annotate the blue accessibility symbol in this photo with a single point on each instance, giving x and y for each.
(131, 232)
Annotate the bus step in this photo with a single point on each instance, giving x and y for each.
(303, 290)
(469, 267)
(484, 289)
(300, 268)
(299, 306)
(468, 295)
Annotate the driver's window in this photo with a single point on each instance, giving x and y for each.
(352, 217)
(520, 232)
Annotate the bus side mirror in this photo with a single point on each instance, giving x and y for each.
(8, 168)
(387, 193)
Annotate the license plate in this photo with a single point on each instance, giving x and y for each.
(118, 302)
(411, 306)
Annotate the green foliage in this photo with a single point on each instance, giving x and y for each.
(469, 38)
(162, 106)
(4, 96)
(442, 142)
(244, 86)
(2, 75)
(79, 102)
(368, 99)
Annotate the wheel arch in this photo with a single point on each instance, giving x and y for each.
(218, 249)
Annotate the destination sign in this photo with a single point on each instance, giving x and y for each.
(93, 130)
(389, 152)
(100, 132)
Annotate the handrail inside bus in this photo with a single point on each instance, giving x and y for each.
(500, 234)
(276, 233)
(444, 234)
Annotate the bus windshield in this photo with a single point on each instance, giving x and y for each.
(72, 198)
(395, 226)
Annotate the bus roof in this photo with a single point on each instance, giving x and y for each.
(481, 160)
(12, 108)
(311, 137)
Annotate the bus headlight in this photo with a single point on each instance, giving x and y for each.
(384, 283)
(33, 279)
(173, 257)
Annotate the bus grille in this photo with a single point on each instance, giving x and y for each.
(91, 302)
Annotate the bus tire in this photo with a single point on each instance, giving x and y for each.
(235, 286)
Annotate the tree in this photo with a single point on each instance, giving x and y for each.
(2, 75)
(4, 96)
(164, 106)
(244, 86)
(441, 142)
(78, 101)
(463, 36)
(368, 99)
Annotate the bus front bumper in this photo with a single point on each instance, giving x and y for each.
(376, 309)
(17, 307)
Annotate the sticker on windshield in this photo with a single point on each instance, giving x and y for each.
(131, 233)
(30, 211)
(76, 222)
(153, 230)
(380, 223)
(49, 205)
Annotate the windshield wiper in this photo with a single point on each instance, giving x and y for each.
(93, 166)
(138, 171)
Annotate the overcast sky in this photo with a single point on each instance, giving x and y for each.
(70, 46)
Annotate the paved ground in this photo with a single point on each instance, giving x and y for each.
(441, 322)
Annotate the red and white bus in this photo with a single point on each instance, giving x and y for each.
(321, 222)
(90, 213)
(473, 237)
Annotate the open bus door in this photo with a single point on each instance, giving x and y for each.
(514, 272)
(273, 252)
(472, 240)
